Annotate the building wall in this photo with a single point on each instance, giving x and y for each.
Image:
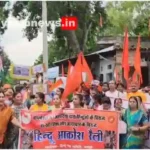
(131, 59)
(96, 68)
(104, 69)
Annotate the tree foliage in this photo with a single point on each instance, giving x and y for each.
(4, 12)
(4, 75)
(54, 55)
(116, 16)
(64, 42)
(131, 14)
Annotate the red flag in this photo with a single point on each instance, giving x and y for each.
(74, 80)
(125, 62)
(62, 70)
(87, 76)
(137, 61)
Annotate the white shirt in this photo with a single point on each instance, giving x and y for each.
(91, 102)
(122, 128)
(114, 95)
(71, 105)
(100, 107)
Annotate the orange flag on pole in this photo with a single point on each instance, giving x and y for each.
(87, 76)
(137, 62)
(70, 67)
(75, 79)
(116, 74)
(135, 77)
(56, 85)
(62, 70)
(125, 57)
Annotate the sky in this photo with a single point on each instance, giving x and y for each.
(17, 47)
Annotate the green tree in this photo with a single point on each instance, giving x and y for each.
(54, 55)
(4, 12)
(131, 14)
(9, 80)
(4, 75)
(65, 43)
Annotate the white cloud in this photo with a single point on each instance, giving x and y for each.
(18, 48)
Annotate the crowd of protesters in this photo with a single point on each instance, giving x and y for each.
(133, 119)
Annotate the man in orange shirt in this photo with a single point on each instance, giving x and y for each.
(135, 92)
(6, 116)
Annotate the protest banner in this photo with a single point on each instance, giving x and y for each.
(20, 72)
(40, 88)
(53, 72)
(38, 69)
(71, 129)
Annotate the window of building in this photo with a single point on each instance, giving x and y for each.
(101, 68)
(109, 77)
(109, 67)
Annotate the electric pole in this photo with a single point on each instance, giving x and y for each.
(45, 47)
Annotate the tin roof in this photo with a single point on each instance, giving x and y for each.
(108, 49)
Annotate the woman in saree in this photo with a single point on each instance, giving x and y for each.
(12, 135)
(137, 124)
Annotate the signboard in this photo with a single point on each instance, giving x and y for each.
(38, 69)
(53, 72)
(95, 82)
(40, 88)
(71, 129)
(20, 72)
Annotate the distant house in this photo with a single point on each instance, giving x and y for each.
(109, 54)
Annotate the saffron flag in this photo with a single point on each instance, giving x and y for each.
(87, 76)
(135, 77)
(57, 84)
(117, 74)
(75, 79)
(137, 63)
(125, 61)
(62, 70)
(70, 67)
